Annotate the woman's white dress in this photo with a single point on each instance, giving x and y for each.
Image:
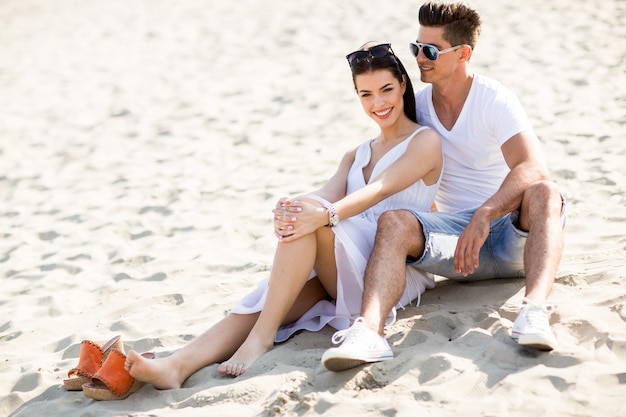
(354, 241)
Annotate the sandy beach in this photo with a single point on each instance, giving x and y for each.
(143, 145)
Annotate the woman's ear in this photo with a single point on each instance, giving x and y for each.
(403, 85)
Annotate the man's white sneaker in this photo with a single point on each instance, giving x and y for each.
(532, 327)
(360, 345)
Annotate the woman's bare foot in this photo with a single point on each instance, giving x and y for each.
(246, 355)
(158, 372)
(232, 368)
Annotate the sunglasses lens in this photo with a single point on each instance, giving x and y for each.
(357, 56)
(379, 51)
(430, 52)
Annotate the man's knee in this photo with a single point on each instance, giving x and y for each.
(397, 221)
(540, 201)
(402, 228)
(543, 195)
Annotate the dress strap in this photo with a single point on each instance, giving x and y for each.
(412, 135)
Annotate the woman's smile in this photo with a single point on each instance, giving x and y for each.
(383, 113)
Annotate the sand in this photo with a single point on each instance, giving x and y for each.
(143, 145)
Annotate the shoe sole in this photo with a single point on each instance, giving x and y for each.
(337, 362)
(534, 342)
(342, 364)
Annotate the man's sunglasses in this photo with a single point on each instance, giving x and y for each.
(378, 51)
(430, 51)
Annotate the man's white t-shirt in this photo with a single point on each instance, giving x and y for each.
(474, 165)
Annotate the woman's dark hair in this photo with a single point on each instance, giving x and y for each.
(393, 64)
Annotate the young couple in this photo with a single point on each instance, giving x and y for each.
(366, 242)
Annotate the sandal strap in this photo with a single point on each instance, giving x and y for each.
(113, 375)
(90, 360)
(114, 343)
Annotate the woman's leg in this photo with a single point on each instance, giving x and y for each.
(215, 345)
(223, 339)
(292, 266)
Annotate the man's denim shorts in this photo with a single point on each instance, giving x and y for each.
(502, 255)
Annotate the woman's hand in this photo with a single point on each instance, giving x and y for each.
(296, 218)
(284, 217)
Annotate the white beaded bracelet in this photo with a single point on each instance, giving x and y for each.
(333, 217)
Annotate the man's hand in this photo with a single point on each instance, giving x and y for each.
(470, 242)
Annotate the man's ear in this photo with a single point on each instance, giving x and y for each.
(466, 53)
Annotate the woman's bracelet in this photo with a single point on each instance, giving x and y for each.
(333, 217)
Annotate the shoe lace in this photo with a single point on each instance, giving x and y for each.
(341, 335)
(537, 312)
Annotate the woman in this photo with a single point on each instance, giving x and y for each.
(317, 273)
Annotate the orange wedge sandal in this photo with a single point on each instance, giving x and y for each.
(91, 358)
(112, 381)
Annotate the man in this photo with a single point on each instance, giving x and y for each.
(499, 213)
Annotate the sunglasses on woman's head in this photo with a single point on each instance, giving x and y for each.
(378, 51)
(430, 51)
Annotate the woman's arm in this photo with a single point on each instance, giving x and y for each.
(287, 210)
(335, 187)
(422, 160)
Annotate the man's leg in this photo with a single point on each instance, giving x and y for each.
(540, 214)
(399, 235)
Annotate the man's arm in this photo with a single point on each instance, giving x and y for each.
(522, 154)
